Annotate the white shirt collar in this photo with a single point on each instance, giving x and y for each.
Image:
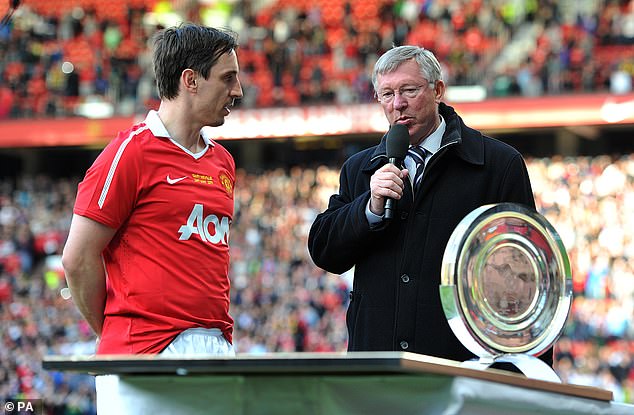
(432, 142)
(157, 128)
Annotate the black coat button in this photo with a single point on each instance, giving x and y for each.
(405, 278)
(404, 345)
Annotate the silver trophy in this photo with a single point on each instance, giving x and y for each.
(506, 287)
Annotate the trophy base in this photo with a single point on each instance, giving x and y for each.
(530, 366)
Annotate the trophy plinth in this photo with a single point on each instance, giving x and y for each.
(506, 287)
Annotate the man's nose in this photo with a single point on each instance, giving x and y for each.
(237, 90)
(399, 101)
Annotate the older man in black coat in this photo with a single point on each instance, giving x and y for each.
(395, 303)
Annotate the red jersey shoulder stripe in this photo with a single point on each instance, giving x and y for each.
(115, 163)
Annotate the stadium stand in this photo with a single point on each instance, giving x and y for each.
(299, 52)
(58, 55)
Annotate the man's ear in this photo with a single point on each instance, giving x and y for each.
(189, 80)
(439, 90)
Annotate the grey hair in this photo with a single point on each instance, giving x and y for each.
(388, 62)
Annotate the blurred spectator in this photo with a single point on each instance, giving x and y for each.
(621, 80)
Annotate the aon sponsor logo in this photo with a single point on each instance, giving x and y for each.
(209, 228)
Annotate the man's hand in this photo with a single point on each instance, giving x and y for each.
(386, 182)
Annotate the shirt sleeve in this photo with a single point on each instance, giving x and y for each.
(373, 219)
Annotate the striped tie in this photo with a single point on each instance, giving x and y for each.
(418, 155)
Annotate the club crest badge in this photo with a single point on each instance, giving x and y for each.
(226, 182)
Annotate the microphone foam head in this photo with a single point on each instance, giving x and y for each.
(397, 141)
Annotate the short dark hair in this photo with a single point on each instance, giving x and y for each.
(187, 46)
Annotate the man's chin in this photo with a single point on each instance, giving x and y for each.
(217, 123)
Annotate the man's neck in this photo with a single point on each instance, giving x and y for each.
(180, 128)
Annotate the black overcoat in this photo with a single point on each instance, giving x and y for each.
(395, 303)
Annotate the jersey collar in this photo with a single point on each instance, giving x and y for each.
(158, 129)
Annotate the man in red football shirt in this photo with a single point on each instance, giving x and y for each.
(147, 255)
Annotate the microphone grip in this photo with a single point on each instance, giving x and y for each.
(390, 204)
(390, 207)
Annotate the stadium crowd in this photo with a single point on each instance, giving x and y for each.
(300, 52)
(53, 60)
(283, 303)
